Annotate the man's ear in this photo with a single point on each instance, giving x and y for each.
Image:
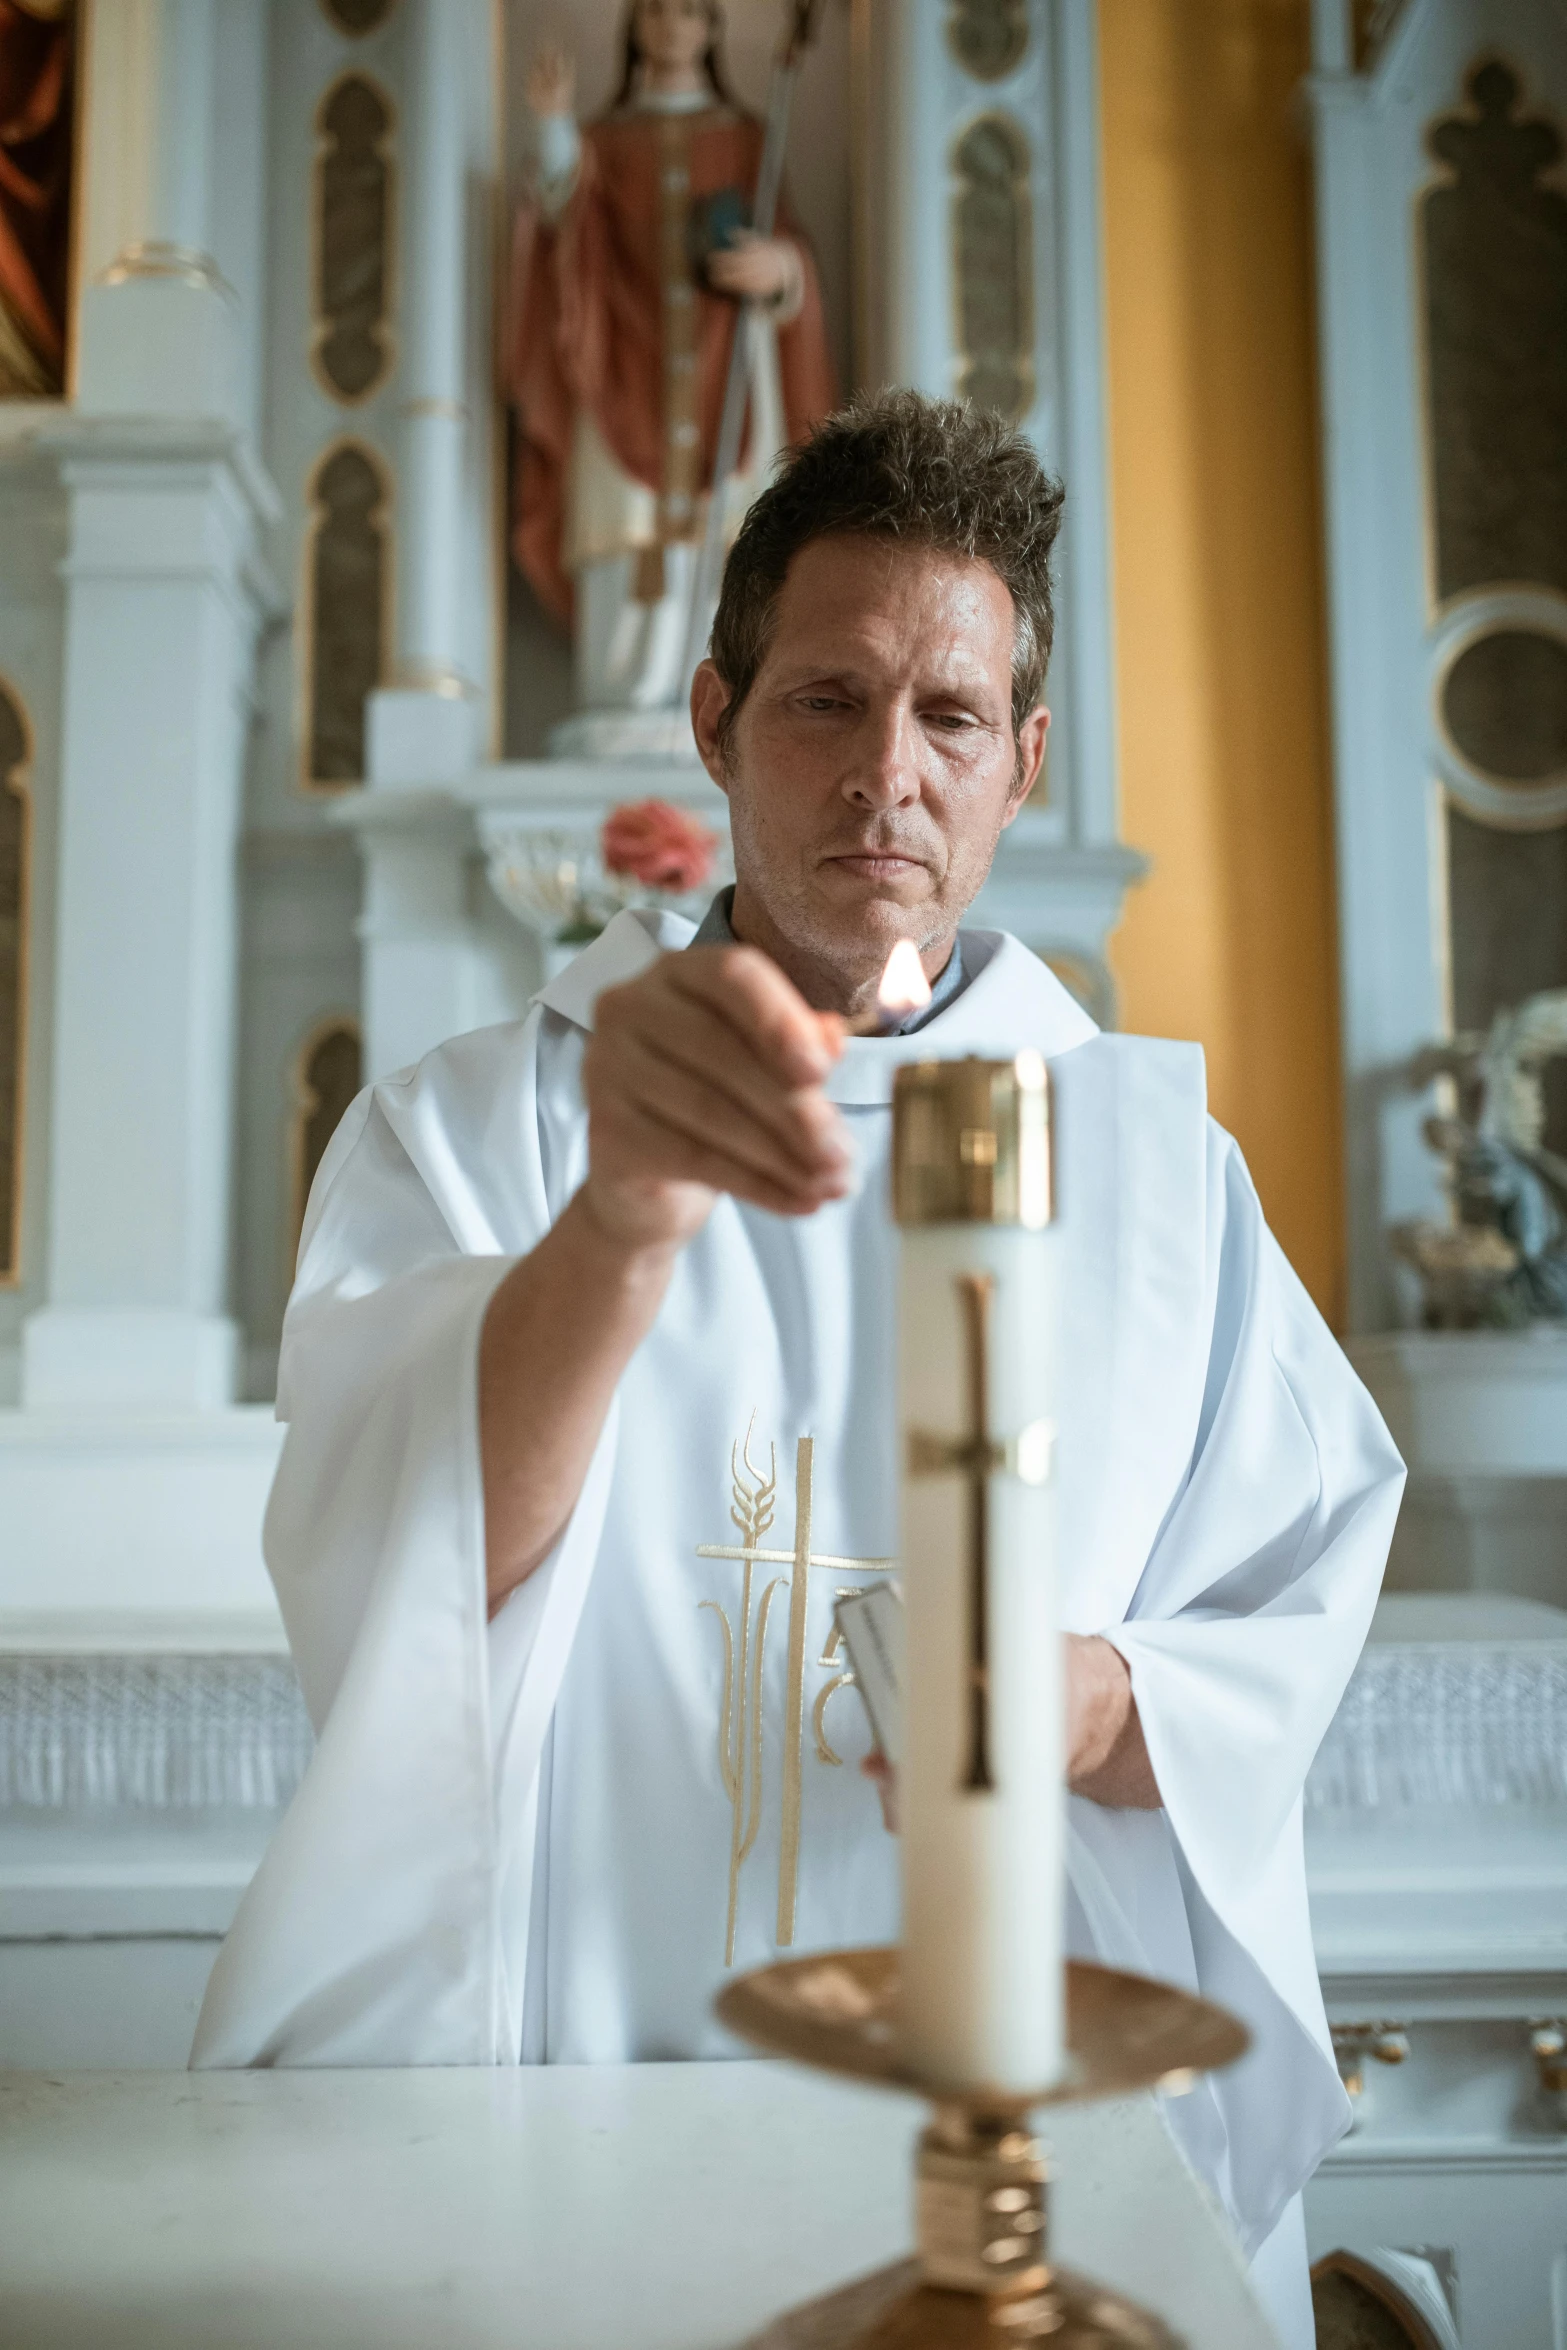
(1031, 759)
(709, 701)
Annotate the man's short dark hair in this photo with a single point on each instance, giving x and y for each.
(896, 465)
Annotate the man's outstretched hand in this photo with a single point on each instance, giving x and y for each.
(705, 1075)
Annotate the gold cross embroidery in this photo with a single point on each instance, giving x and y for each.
(977, 1456)
(740, 1722)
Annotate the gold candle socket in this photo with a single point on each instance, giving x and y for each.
(971, 1142)
(982, 2277)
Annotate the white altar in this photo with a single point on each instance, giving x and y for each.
(650, 2207)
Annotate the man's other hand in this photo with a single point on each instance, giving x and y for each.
(1106, 1756)
(703, 1076)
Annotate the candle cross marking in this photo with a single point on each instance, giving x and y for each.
(977, 1456)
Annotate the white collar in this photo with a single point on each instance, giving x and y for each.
(673, 101)
(1015, 1001)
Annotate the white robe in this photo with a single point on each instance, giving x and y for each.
(515, 1841)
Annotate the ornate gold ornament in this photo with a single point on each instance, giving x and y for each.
(740, 1725)
(971, 1142)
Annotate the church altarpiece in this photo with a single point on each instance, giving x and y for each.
(372, 315)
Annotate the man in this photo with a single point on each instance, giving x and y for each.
(590, 1307)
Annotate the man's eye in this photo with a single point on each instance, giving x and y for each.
(955, 721)
(821, 702)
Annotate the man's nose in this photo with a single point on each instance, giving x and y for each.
(884, 772)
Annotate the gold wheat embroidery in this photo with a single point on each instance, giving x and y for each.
(740, 1712)
(740, 1752)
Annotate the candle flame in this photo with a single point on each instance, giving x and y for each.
(904, 987)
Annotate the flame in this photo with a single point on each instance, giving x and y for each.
(904, 987)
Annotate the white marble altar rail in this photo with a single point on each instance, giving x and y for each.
(645, 2207)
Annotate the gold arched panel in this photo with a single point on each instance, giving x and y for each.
(326, 1076)
(993, 266)
(1506, 891)
(357, 17)
(351, 347)
(1494, 254)
(15, 843)
(345, 611)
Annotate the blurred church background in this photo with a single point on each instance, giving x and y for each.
(293, 785)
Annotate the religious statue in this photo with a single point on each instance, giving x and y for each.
(1501, 1261)
(633, 260)
(35, 183)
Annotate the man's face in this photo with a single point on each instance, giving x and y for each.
(873, 764)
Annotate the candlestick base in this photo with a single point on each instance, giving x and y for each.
(983, 2275)
(895, 2310)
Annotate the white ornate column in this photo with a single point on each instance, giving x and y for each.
(423, 727)
(161, 608)
(423, 955)
(164, 588)
(158, 331)
(980, 275)
(130, 1498)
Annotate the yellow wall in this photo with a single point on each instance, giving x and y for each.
(1219, 600)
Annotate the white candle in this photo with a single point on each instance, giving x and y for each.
(980, 2001)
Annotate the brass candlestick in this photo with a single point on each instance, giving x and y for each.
(981, 2278)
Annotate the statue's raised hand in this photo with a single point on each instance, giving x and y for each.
(552, 81)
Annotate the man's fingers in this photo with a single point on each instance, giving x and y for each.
(751, 994)
(687, 1044)
(789, 1147)
(665, 1153)
(672, 1104)
(708, 1071)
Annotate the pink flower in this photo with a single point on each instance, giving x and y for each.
(657, 845)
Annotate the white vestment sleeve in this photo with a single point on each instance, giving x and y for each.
(1243, 1632)
(373, 1932)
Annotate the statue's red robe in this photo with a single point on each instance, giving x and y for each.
(35, 164)
(588, 321)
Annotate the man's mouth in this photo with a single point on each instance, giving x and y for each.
(876, 864)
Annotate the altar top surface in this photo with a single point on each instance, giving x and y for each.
(648, 2207)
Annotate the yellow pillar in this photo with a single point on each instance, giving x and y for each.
(1225, 773)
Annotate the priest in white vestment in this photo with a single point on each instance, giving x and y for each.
(588, 1304)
